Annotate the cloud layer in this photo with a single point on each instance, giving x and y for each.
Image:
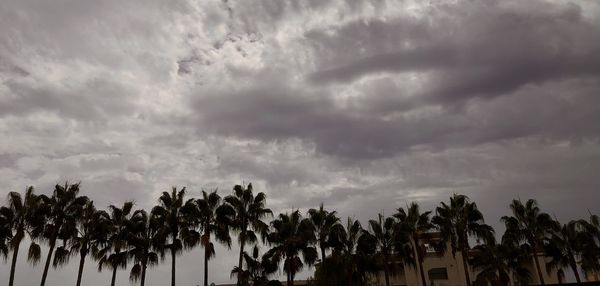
(362, 105)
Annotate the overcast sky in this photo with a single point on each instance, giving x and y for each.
(363, 105)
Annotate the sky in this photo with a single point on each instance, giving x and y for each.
(364, 106)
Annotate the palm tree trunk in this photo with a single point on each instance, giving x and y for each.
(464, 254)
(574, 267)
(537, 264)
(81, 263)
(173, 264)
(114, 277)
(386, 271)
(419, 260)
(48, 258)
(292, 275)
(144, 266)
(322, 253)
(242, 242)
(13, 265)
(206, 265)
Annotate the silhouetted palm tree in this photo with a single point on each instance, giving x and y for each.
(344, 239)
(24, 219)
(564, 245)
(175, 216)
(257, 269)
(528, 224)
(214, 219)
(114, 253)
(61, 210)
(346, 266)
(92, 231)
(590, 254)
(292, 236)
(323, 221)
(414, 223)
(457, 222)
(145, 241)
(496, 263)
(250, 210)
(5, 231)
(389, 241)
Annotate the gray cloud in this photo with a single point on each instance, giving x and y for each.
(95, 99)
(479, 49)
(269, 110)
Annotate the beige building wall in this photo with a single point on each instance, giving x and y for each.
(410, 276)
(595, 276)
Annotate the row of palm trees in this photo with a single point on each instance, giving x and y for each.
(530, 234)
(70, 225)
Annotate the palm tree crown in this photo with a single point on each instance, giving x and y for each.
(457, 222)
(257, 269)
(214, 219)
(529, 225)
(5, 230)
(23, 218)
(413, 223)
(590, 245)
(496, 263)
(385, 232)
(61, 210)
(114, 253)
(564, 246)
(323, 222)
(175, 216)
(291, 237)
(249, 210)
(351, 260)
(92, 231)
(146, 243)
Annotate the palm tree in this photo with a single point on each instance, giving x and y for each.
(348, 264)
(257, 271)
(92, 231)
(5, 230)
(249, 212)
(496, 262)
(389, 241)
(413, 223)
(590, 254)
(323, 221)
(344, 239)
(528, 224)
(457, 222)
(291, 236)
(214, 219)
(564, 244)
(175, 216)
(24, 218)
(145, 242)
(62, 209)
(114, 253)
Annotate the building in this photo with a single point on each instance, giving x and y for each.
(592, 276)
(296, 283)
(441, 268)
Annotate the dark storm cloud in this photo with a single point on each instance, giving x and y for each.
(475, 49)
(479, 49)
(566, 110)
